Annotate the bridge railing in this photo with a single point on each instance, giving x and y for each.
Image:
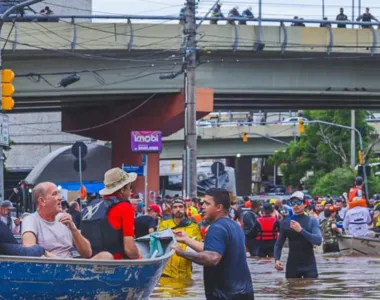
(258, 44)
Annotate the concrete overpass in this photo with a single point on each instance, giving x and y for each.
(118, 65)
(227, 141)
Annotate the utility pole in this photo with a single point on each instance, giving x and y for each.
(190, 130)
(353, 148)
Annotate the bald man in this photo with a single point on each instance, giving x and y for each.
(52, 229)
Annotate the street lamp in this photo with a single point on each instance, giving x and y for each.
(238, 155)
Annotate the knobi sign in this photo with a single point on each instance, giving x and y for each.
(146, 141)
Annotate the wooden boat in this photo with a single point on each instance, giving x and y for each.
(47, 278)
(360, 245)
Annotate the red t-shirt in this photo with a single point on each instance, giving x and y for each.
(122, 216)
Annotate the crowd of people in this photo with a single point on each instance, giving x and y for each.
(247, 13)
(218, 230)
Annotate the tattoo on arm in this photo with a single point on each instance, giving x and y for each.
(204, 258)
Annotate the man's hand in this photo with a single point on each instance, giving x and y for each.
(181, 236)
(66, 219)
(333, 226)
(178, 250)
(279, 266)
(295, 226)
(17, 221)
(48, 254)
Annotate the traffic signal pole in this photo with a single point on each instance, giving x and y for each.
(2, 17)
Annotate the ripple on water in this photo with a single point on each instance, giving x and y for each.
(340, 277)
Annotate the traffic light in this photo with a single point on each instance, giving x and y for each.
(360, 156)
(7, 89)
(245, 137)
(301, 127)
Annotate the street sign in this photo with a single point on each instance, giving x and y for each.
(4, 132)
(146, 141)
(134, 169)
(75, 149)
(217, 168)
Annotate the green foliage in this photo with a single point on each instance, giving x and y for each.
(322, 148)
(334, 183)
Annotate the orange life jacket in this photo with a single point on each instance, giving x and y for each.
(267, 232)
(358, 202)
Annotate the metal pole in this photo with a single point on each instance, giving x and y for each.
(80, 166)
(217, 176)
(353, 148)
(353, 12)
(260, 25)
(359, 8)
(323, 9)
(190, 97)
(146, 182)
(1, 175)
(274, 174)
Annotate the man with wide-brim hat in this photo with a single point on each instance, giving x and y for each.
(108, 223)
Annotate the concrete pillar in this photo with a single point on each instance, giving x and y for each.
(163, 113)
(243, 173)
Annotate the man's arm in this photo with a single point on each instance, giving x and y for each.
(204, 258)
(29, 239)
(130, 248)
(315, 237)
(20, 250)
(82, 245)
(279, 244)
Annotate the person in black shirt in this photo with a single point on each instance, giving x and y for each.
(147, 224)
(366, 17)
(341, 17)
(74, 211)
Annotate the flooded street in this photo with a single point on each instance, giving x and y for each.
(340, 277)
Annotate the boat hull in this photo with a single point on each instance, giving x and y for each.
(71, 279)
(360, 245)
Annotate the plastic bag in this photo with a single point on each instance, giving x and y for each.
(156, 249)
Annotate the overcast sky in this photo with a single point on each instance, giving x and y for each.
(271, 8)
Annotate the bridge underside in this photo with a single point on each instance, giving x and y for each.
(240, 80)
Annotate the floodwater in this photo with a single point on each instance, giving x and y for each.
(341, 276)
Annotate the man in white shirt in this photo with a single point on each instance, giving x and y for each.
(356, 222)
(5, 216)
(52, 229)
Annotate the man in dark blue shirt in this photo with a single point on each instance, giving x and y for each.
(303, 233)
(226, 272)
(10, 246)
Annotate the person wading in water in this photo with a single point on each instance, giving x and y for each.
(303, 233)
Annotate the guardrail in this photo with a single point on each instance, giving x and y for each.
(257, 45)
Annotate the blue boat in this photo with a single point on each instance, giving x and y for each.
(82, 279)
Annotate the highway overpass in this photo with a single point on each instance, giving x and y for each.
(224, 142)
(118, 63)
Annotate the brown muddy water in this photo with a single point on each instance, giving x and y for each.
(340, 277)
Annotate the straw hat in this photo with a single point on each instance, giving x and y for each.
(115, 179)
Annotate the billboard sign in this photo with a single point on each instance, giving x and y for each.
(146, 141)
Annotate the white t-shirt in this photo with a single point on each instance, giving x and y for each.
(52, 236)
(356, 221)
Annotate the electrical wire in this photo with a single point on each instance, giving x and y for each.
(9, 33)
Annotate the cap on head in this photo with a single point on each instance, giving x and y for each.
(7, 204)
(115, 179)
(156, 209)
(358, 180)
(298, 195)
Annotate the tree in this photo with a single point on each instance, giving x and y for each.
(334, 183)
(322, 148)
